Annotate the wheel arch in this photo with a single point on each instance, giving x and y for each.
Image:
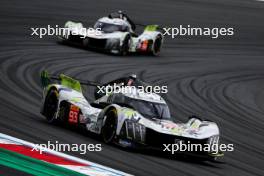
(45, 93)
(154, 39)
(102, 117)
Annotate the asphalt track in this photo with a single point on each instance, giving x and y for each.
(221, 79)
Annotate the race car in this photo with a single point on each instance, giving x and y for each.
(114, 33)
(129, 118)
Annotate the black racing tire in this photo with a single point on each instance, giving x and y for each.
(108, 131)
(157, 45)
(124, 49)
(63, 112)
(61, 40)
(51, 106)
(85, 42)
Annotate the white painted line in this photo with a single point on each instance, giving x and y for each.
(91, 168)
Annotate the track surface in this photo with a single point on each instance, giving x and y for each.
(221, 79)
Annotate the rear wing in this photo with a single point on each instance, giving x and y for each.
(47, 79)
(151, 27)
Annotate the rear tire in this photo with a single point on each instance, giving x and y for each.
(61, 40)
(63, 112)
(124, 50)
(51, 106)
(85, 42)
(157, 45)
(109, 129)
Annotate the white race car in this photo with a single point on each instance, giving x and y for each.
(115, 34)
(130, 118)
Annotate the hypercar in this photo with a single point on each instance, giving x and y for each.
(129, 118)
(116, 34)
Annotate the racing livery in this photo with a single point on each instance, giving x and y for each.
(115, 34)
(133, 118)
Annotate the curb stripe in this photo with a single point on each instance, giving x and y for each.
(27, 151)
(55, 158)
(32, 166)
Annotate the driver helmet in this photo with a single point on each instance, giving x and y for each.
(131, 79)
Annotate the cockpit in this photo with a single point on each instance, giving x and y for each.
(109, 28)
(146, 108)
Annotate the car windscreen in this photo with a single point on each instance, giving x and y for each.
(149, 109)
(108, 28)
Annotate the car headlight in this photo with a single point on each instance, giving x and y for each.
(213, 142)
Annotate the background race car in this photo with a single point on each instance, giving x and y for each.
(115, 34)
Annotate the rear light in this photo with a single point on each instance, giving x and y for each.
(81, 118)
(144, 45)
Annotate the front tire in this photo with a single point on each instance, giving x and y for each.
(109, 127)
